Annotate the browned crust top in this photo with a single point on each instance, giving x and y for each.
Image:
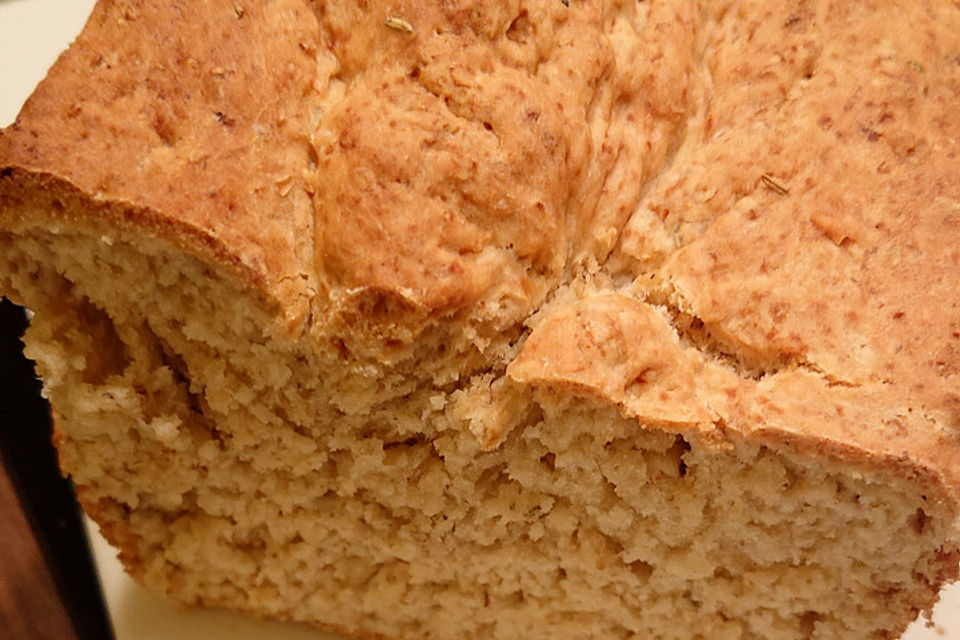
(176, 110)
(782, 177)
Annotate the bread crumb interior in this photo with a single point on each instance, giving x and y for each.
(220, 458)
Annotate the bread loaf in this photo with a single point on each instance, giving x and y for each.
(516, 319)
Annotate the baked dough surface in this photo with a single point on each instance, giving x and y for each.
(735, 221)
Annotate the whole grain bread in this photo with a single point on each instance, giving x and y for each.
(506, 319)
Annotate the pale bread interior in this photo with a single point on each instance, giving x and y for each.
(235, 466)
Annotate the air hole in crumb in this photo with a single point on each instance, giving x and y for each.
(490, 480)
(409, 442)
(808, 620)
(107, 354)
(549, 461)
(679, 448)
(919, 521)
(642, 570)
(195, 402)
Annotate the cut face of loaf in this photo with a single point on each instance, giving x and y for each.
(216, 456)
(505, 320)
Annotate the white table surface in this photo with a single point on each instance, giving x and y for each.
(32, 34)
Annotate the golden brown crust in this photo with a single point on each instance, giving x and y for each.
(615, 349)
(861, 426)
(808, 228)
(29, 198)
(465, 161)
(472, 155)
(621, 350)
(852, 274)
(201, 136)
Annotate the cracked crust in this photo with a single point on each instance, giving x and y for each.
(824, 237)
(750, 227)
(520, 136)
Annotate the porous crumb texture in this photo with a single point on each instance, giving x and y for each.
(506, 319)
